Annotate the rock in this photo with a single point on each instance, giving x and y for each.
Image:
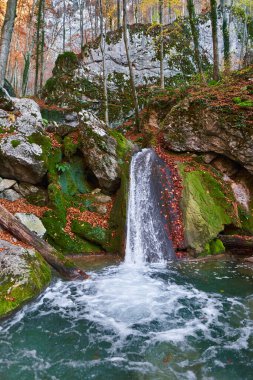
(102, 198)
(226, 166)
(6, 184)
(99, 151)
(21, 147)
(23, 275)
(209, 157)
(5, 100)
(206, 209)
(11, 195)
(194, 127)
(32, 222)
(34, 194)
(100, 209)
(96, 191)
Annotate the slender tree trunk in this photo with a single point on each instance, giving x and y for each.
(64, 27)
(161, 20)
(118, 14)
(38, 47)
(195, 34)
(103, 46)
(214, 23)
(5, 39)
(64, 266)
(81, 23)
(131, 71)
(225, 32)
(42, 43)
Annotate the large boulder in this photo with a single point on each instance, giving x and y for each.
(20, 150)
(100, 152)
(192, 126)
(23, 275)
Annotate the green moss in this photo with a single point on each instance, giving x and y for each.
(85, 230)
(70, 146)
(123, 145)
(73, 179)
(14, 292)
(214, 247)
(61, 240)
(246, 220)
(57, 200)
(243, 103)
(15, 143)
(206, 207)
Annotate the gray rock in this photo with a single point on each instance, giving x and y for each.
(32, 222)
(188, 127)
(99, 151)
(23, 274)
(101, 209)
(102, 198)
(6, 184)
(20, 158)
(11, 195)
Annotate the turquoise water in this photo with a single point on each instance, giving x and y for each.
(183, 321)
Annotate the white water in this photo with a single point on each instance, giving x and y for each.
(136, 321)
(147, 239)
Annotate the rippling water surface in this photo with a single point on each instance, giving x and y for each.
(183, 321)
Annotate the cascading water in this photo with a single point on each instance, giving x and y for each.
(186, 321)
(147, 231)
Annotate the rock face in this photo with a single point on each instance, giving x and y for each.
(192, 127)
(99, 151)
(23, 274)
(20, 154)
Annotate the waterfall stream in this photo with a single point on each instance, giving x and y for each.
(141, 319)
(147, 235)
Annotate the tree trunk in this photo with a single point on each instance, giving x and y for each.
(130, 66)
(38, 47)
(64, 27)
(6, 34)
(118, 14)
(195, 34)
(225, 33)
(102, 47)
(62, 265)
(81, 23)
(214, 23)
(161, 20)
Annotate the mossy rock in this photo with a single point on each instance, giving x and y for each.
(23, 275)
(61, 240)
(214, 247)
(85, 230)
(206, 206)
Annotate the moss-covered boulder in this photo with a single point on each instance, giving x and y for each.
(23, 275)
(208, 206)
(93, 234)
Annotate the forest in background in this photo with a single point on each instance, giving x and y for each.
(45, 28)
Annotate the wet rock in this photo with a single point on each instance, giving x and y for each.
(23, 274)
(32, 222)
(99, 151)
(6, 184)
(225, 166)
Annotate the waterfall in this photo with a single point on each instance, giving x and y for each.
(147, 230)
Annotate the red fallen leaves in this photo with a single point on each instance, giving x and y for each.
(21, 205)
(95, 219)
(54, 141)
(170, 197)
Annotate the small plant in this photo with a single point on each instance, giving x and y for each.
(61, 167)
(15, 143)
